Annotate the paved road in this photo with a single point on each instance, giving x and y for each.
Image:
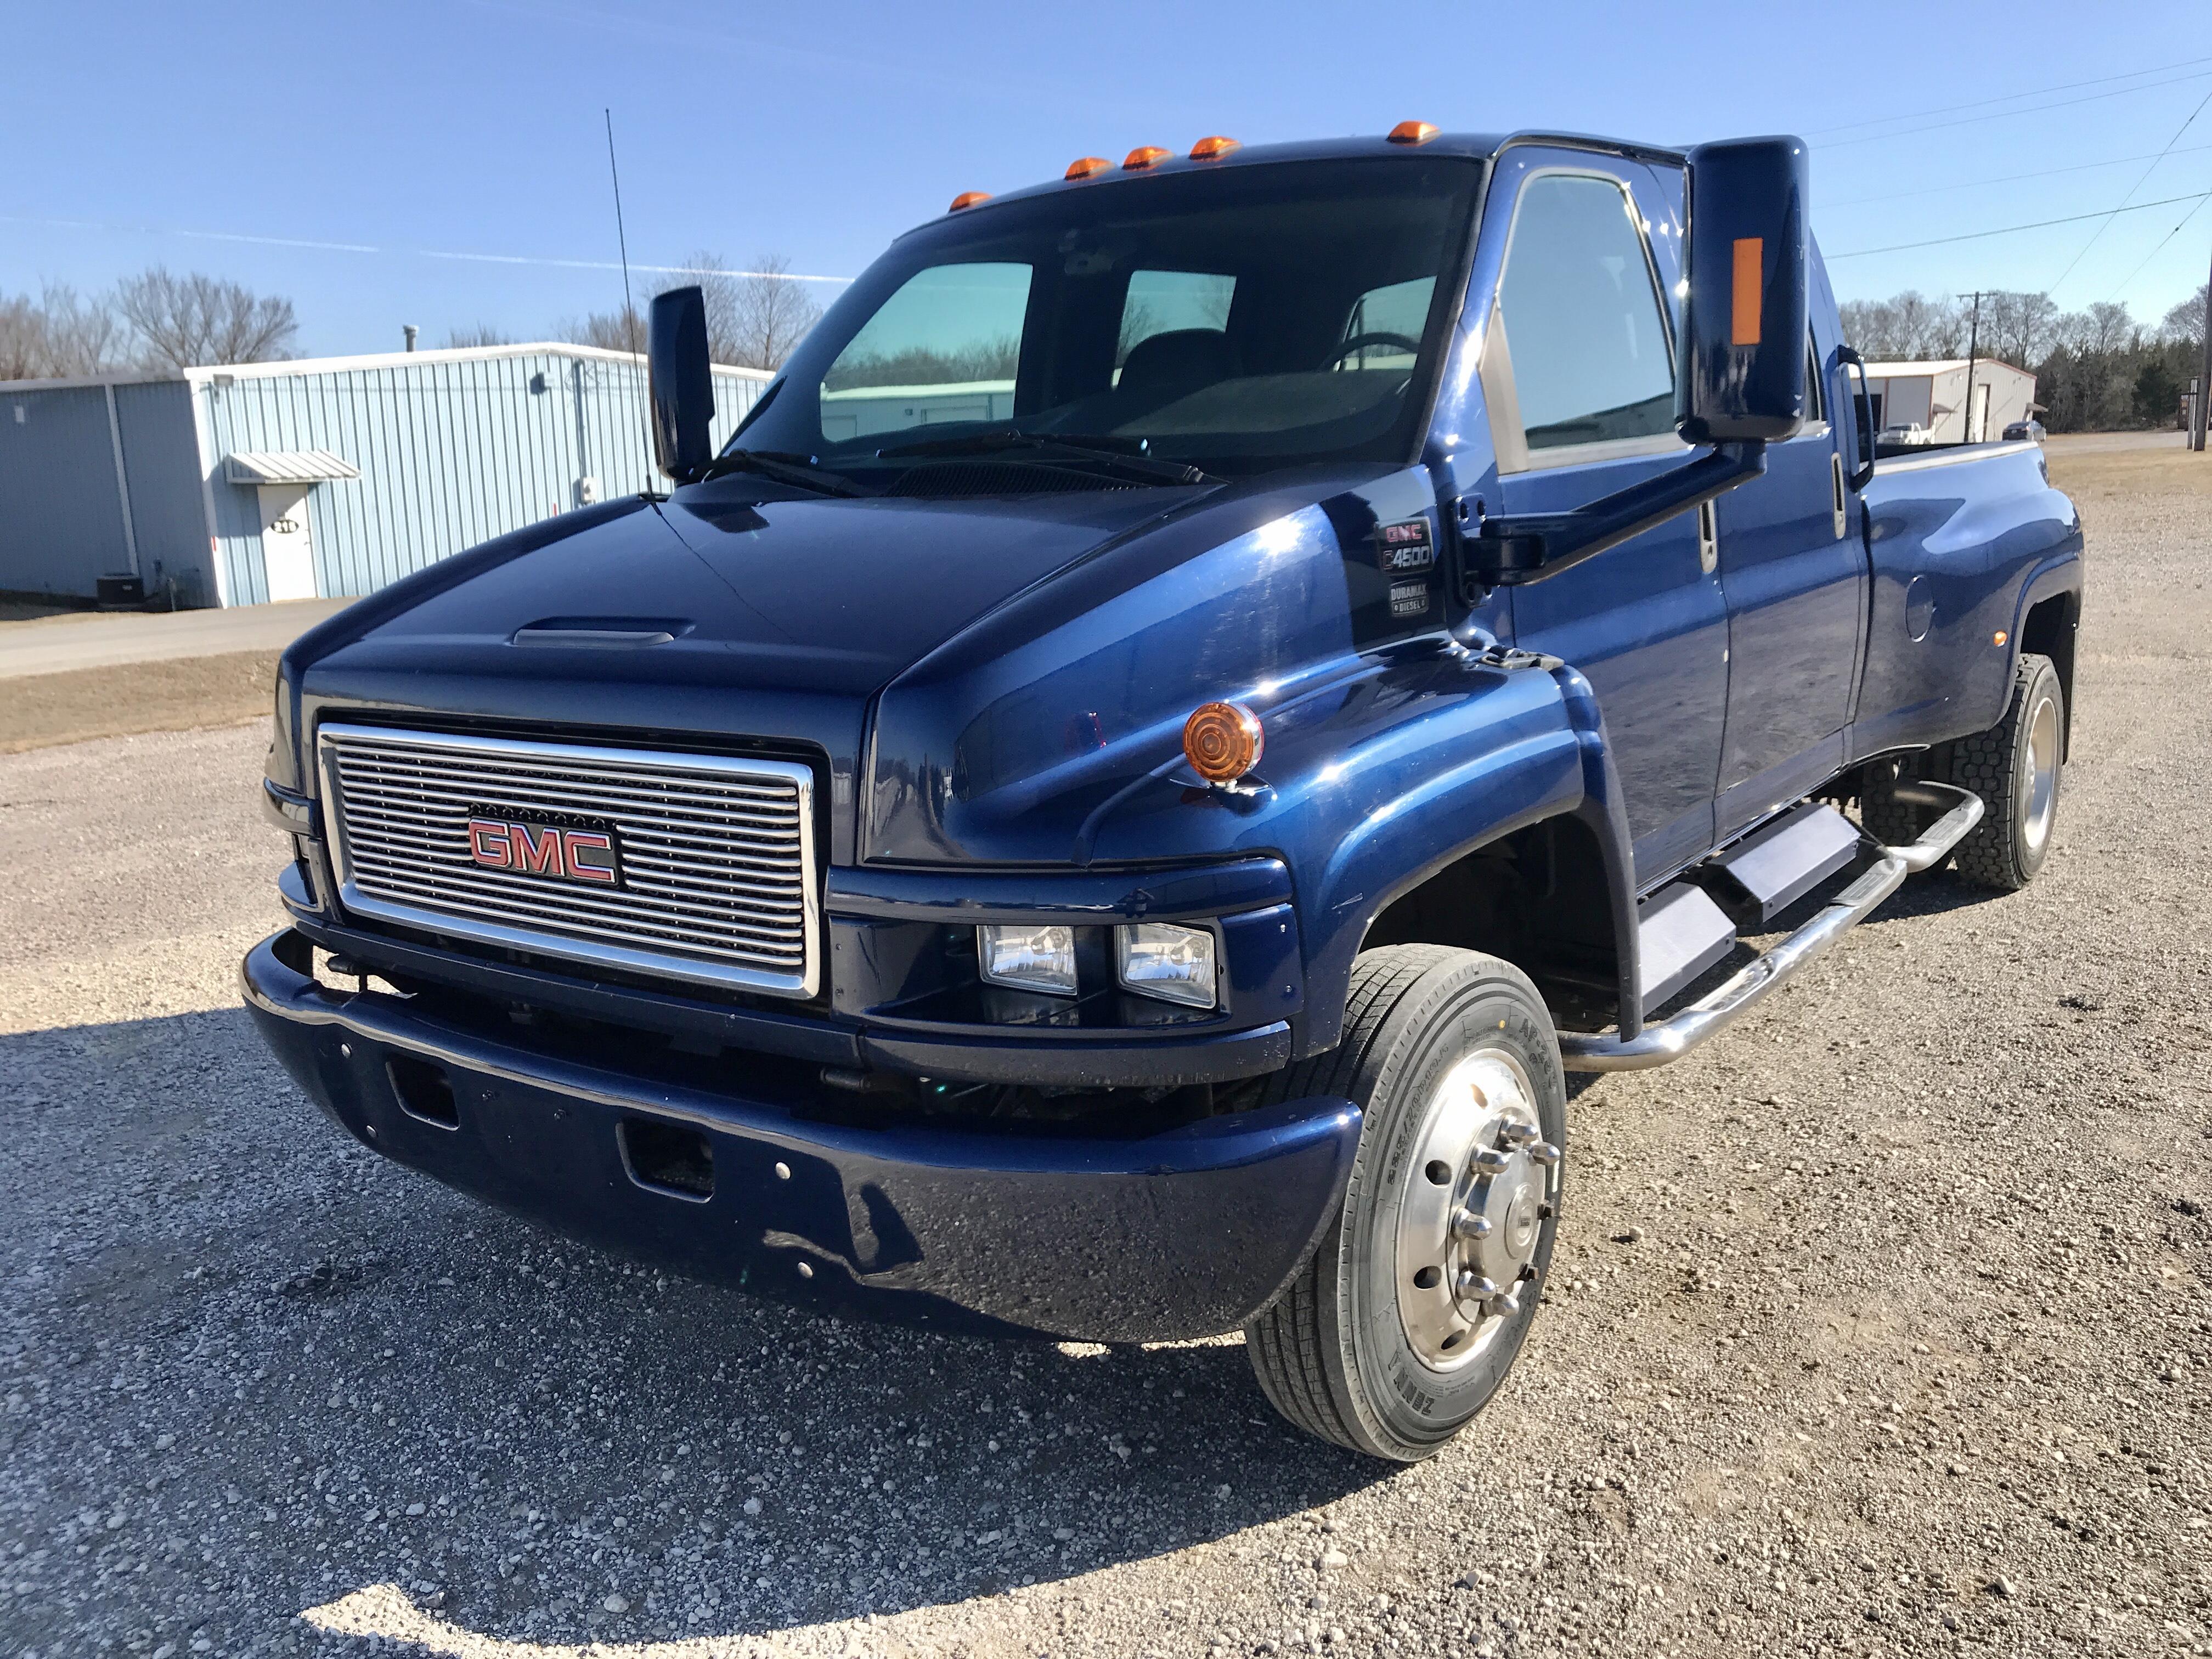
(1880, 1326)
(51, 645)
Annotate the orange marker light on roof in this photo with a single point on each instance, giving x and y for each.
(968, 198)
(1083, 166)
(1223, 741)
(1412, 132)
(1213, 148)
(1143, 156)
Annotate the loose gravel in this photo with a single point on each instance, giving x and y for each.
(1878, 1327)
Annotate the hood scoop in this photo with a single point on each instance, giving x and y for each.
(603, 632)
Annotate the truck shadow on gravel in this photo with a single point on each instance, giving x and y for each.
(361, 1395)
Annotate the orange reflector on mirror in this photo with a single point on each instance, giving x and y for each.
(1744, 296)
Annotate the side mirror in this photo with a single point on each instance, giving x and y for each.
(682, 384)
(1741, 367)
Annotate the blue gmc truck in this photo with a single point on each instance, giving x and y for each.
(1201, 691)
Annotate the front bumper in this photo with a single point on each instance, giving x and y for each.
(1169, 1236)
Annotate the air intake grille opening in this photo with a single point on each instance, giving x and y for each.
(668, 1158)
(424, 1091)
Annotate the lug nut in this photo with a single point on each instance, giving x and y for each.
(1473, 1287)
(1489, 1161)
(1546, 1153)
(1468, 1224)
(1502, 1304)
(1520, 1134)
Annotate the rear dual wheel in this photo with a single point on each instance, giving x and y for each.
(1418, 1298)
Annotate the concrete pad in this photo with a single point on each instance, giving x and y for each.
(54, 645)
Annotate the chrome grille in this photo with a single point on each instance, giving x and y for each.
(715, 853)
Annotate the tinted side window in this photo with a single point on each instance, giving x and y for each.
(1582, 320)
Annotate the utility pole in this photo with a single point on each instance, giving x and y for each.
(1973, 346)
(2203, 380)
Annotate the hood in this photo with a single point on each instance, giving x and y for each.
(783, 617)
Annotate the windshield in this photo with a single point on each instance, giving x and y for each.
(1235, 321)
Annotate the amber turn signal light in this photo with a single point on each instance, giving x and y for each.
(968, 198)
(1143, 156)
(1412, 132)
(1083, 166)
(1223, 741)
(1213, 148)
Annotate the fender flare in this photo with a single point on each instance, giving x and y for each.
(1567, 773)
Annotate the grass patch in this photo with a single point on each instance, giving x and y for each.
(177, 694)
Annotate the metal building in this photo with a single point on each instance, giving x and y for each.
(1933, 396)
(326, 476)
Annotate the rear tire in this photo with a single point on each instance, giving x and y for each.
(1417, 1300)
(2014, 767)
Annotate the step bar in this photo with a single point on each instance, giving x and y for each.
(1671, 1038)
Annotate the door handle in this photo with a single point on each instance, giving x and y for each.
(1835, 473)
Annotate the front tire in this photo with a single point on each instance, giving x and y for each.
(2014, 767)
(1418, 1298)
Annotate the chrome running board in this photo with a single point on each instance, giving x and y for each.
(1671, 1038)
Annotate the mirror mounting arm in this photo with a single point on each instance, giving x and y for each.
(1511, 551)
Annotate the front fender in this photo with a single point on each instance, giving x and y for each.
(1374, 782)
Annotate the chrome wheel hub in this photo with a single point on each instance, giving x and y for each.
(2038, 802)
(1473, 1198)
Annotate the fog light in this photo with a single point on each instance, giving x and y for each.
(1028, 958)
(1175, 963)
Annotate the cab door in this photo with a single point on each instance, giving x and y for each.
(1578, 375)
(1793, 568)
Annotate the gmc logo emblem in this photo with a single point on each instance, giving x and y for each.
(565, 853)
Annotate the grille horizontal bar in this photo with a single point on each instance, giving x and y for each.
(717, 883)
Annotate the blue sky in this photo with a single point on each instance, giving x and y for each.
(158, 132)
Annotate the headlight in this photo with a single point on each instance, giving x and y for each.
(1028, 958)
(1175, 963)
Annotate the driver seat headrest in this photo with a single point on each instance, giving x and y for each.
(1164, 366)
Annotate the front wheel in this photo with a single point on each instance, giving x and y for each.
(1418, 1298)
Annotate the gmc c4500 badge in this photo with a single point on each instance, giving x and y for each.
(564, 852)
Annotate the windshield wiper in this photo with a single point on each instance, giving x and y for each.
(1130, 455)
(802, 471)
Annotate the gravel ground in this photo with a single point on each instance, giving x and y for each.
(1878, 1327)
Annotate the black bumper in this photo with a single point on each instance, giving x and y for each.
(1173, 1236)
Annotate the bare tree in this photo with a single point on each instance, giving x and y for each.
(610, 330)
(477, 334)
(58, 334)
(754, 318)
(2019, 329)
(2103, 328)
(185, 322)
(1907, 327)
(2185, 322)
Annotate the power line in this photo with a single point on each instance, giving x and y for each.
(2009, 98)
(2138, 186)
(2155, 252)
(2008, 114)
(2008, 178)
(2007, 230)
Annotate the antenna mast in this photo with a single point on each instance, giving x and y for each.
(631, 321)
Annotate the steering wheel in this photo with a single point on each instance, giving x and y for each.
(1405, 342)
